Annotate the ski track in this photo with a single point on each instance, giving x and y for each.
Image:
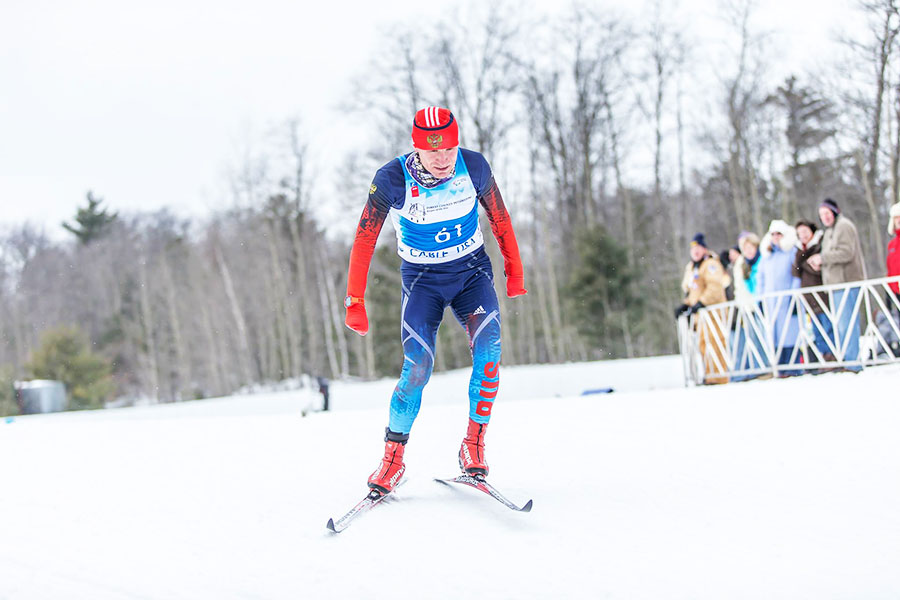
(782, 489)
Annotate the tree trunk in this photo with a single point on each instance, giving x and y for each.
(182, 370)
(152, 372)
(873, 212)
(244, 356)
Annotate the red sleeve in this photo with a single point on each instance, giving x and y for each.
(502, 228)
(370, 223)
(893, 261)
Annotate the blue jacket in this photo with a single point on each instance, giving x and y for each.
(775, 274)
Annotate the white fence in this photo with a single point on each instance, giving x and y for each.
(792, 332)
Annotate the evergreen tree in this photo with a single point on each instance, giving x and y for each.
(65, 355)
(91, 222)
(603, 292)
(383, 308)
(8, 405)
(810, 120)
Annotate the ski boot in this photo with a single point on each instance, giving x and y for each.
(471, 453)
(391, 469)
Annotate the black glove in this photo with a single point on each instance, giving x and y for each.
(692, 310)
(680, 310)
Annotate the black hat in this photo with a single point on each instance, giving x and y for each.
(700, 240)
(831, 205)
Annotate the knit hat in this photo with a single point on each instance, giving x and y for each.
(894, 213)
(435, 128)
(699, 240)
(831, 205)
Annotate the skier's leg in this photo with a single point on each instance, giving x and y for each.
(421, 312)
(477, 309)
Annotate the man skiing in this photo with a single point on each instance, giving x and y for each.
(432, 196)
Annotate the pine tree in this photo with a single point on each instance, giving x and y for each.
(8, 404)
(65, 355)
(810, 120)
(91, 223)
(604, 292)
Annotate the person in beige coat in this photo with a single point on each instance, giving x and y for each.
(841, 261)
(703, 285)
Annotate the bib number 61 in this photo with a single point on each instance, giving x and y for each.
(443, 235)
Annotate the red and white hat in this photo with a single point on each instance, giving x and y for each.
(435, 128)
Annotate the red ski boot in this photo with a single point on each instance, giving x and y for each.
(471, 453)
(391, 469)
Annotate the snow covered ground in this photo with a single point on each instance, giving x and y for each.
(780, 489)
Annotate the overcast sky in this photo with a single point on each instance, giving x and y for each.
(147, 104)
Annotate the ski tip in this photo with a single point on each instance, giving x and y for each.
(330, 525)
(527, 507)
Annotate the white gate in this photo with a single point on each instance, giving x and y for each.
(849, 325)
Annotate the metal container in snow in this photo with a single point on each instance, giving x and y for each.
(40, 396)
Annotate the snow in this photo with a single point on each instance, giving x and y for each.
(767, 489)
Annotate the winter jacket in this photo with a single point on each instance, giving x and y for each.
(808, 276)
(893, 260)
(745, 278)
(704, 282)
(842, 259)
(776, 274)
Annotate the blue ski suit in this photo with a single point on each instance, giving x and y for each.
(443, 264)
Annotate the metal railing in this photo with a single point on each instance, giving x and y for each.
(844, 326)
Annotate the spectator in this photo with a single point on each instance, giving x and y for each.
(725, 257)
(733, 254)
(893, 249)
(775, 275)
(841, 261)
(323, 389)
(749, 326)
(704, 284)
(809, 244)
(893, 266)
(746, 267)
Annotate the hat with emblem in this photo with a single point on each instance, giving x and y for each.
(435, 128)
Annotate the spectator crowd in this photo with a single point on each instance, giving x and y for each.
(809, 254)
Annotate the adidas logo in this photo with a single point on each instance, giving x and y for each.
(479, 311)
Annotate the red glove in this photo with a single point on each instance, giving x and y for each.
(357, 319)
(515, 286)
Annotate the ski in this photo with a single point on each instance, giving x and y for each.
(479, 483)
(373, 498)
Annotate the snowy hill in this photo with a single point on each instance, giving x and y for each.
(773, 489)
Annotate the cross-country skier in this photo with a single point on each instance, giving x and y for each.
(432, 196)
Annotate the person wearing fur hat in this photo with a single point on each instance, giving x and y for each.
(775, 275)
(704, 284)
(432, 195)
(841, 261)
(809, 244)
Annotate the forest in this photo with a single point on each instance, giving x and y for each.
(613, 140)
